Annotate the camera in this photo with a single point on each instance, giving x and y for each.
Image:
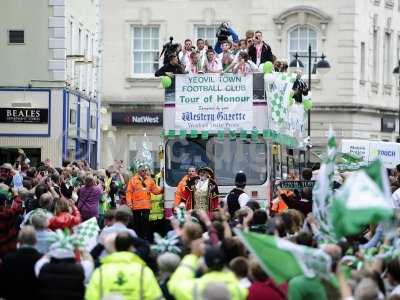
(222, 32)
(168, 49)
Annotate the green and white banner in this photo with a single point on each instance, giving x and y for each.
(323, 190)
(363, 199)
(278, 87)
(214, 102)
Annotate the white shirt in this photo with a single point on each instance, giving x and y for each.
(202, 185)
(87, 266)
(243, 199)
(396, 291)
(245, 282)
(396, 202)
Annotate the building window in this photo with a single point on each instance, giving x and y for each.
(375, 46)
(207, 33)
(71, 38)
(72, 116)
(300, 38)
(387, 61)
(92, 122)
(362, 62)
(16, 36)
(145, 47)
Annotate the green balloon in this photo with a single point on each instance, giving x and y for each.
(307, 104)
(268, 67)
(291, 101)
(166, 82)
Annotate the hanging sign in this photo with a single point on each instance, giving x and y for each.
(214, 102)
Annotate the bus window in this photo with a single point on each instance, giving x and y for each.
(237, 155)
(225, 157)
(181, 154)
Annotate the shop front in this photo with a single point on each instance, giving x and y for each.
(131, 132)
(47, 123)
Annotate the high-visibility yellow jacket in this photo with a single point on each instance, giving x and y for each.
(157, 202)
(184, 286)
(125, 274)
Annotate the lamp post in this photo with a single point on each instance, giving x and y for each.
(322, 66)
(396, 72)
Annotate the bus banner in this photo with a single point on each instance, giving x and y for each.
(296, 184)
(213, 102)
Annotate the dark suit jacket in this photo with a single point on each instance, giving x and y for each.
(18, 276)
(266, 53)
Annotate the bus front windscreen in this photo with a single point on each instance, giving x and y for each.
(226, 157)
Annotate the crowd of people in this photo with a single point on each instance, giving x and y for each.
(229, 55)
(198, 257)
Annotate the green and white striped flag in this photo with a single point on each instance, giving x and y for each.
(363, 199)
(283, 260)
(323, 190)
(86, 231)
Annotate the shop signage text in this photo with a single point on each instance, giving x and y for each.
(387, 152)
(24, 115)
(137, 118)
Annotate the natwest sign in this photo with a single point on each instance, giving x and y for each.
(137, 118)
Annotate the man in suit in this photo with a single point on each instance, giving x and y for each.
(260, 51)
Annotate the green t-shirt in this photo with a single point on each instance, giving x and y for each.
(304, 288)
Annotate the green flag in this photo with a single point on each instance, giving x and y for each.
(86, 231)
(232, 135)
(171, 133)
(182, 134)
(220, 135)
(243, 135)
(283, 260)
(193, 134)
(363, 199)
(254, 135)
(323, 190)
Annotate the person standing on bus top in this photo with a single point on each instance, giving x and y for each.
(201, 192)
(138, 196)
(180, 189)
(237, 198)
(173, 67)
(260, 51)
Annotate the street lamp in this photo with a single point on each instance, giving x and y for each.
(322, 67)
(396, 72)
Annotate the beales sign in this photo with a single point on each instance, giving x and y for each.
(137, 118)
(24, 115)
(214, 102)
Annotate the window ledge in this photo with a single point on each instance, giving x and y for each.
(387, 89)
(143, 78)
(389, 4)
